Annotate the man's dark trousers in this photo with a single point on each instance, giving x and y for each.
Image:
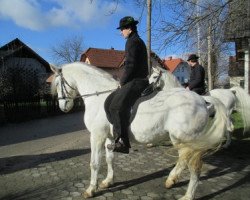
(119, 103)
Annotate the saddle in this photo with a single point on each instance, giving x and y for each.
(149, 90)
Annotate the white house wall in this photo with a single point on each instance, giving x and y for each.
(182, 72)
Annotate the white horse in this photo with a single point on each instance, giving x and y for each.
(237, 99)
(177, 113)
(234, 98)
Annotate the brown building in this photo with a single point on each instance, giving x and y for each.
(109, 60)
(238, 31)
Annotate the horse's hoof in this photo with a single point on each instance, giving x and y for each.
(149, 145)
(87, 195)
(185, 198)
(169, 183)
(104, 185)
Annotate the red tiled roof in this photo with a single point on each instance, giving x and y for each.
(105, 58)
(171, 63)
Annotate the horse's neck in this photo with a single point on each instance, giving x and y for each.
(90, 82)
(170, 81)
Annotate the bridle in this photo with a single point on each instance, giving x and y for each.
(158, 77)
(66, 95)
(65, 92)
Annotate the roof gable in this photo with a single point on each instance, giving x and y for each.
(17, 48)
(172, 63)
(104, 58)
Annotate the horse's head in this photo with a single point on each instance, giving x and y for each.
(64, 89)
(163, 79)
(156, 78)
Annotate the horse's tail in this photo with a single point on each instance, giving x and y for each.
(242, 105)
(212, 136)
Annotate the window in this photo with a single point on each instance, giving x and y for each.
(242, 83)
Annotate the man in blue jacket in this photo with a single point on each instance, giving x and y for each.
(133, 82)
(197, 75)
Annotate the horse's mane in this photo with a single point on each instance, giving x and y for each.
(88, 69)
(53, 86)
(170, 81)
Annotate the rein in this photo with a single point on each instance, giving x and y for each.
(64, 82)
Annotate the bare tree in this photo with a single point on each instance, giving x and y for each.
(190, 23)
(184, 25)
(69, 50)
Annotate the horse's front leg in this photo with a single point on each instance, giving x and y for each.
(110, 173)
(97, 142)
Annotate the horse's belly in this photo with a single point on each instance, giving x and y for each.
(148, 129)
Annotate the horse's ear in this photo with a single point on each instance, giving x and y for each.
(55, 69)
(156, 69)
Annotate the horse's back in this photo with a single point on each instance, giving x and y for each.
(226, 97)
(175, 111)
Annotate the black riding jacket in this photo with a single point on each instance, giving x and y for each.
(197, 77)
(136, 65)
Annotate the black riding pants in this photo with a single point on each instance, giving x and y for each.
(119, 103)
(199, 91)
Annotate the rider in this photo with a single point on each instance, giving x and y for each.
(197, 76)
(133, 82)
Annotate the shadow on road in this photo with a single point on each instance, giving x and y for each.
(16, 163)
(237, 154)
(41, 128)
(136, 181)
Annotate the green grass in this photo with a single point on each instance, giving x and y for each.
(237, 120)
(239, 127)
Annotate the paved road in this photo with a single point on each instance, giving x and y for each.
(49, 159)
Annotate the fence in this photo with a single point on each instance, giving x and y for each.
(14, 110)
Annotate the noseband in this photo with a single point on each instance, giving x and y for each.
(65, 92)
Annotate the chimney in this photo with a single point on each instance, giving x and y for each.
(169, 58)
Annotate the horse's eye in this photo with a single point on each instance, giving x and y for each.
(155, 76)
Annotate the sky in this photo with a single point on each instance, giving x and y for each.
(42, 24)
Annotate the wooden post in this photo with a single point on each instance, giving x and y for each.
(209, 59)
(246, 73)
(149, 6)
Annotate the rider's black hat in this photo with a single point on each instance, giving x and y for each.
(127, 21)
(193, 57)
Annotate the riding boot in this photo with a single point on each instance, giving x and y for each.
(121, 147)
(122, 144)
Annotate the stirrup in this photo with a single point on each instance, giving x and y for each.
(148, 90)
(121, 147)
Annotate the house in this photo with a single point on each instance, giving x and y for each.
(22, 71)
(110, 60)
(238, 30)
(236, 72)
(178, 67)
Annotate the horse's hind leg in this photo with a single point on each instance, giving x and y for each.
(175, 173)
(97, 142)
(228, 139)
(230, 129)
(110, 173)
(194, 166)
